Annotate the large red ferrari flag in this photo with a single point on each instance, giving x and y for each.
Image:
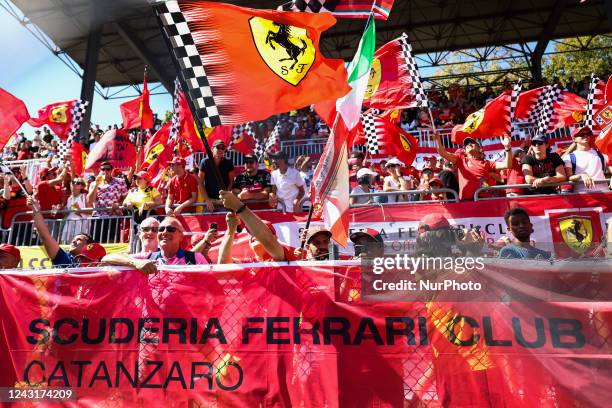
(243, 64)
(394, 81)
(13, 114)
(60, 117)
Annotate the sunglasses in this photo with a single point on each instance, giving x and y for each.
(78, 183)
(106, 168)
(390, 166)
(149, 229)
(167, 228)
(537, 143)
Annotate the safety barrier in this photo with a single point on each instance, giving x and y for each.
(525, 186)
(411, 196)
(106, 230)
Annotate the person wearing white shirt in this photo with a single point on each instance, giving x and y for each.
(586, 164)
(365, 180)
(288, 187)
(395, 181)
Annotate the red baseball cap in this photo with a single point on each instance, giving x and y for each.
(10, 249)
(432, 222)
(178, 160)
(143, 175)
(93, 252)
(436, 180)
(368, 233)
(46, 170)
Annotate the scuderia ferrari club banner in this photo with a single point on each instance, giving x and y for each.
(306, 334)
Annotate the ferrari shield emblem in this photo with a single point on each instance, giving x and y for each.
(154, 153)
(577, 232)
(473, 121)
(58, 114)
(577, 116)
(374, 79)
(286, 50)
(405, 143)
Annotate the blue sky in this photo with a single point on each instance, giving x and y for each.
(33, 74)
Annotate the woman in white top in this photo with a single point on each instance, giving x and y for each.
(395, 181)
(76, 223)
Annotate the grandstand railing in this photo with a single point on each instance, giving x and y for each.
(414, 197)
(479, 191)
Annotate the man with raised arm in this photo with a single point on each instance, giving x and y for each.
(473, 170)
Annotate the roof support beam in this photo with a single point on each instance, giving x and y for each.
(535, 65)
(90, 68)
(130, 36)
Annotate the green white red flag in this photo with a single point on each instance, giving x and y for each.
(330, 184)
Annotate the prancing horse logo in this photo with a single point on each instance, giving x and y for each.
(286, 50)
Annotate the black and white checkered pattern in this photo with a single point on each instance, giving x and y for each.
(514, 97)
(273, 142)
(542, 111)
(192, 68)
(369, 129)
(413, 73)
(309, 6)
(590, 110)
(176, 124)
(238, 130)
(78, 113)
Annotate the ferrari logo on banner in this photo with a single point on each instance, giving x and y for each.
(58, 114)
(575, 233)
(286, 50)
(405, 142)
(374, 80)
(154, 153)
(473, 121)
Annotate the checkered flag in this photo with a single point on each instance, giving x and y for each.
(514, 97)
(273, 142)
(238, 130)
(595, 101)
(413, 73)
(369, 129)
(186, 53)
(542, 111)
(78, 113)
(176, 124)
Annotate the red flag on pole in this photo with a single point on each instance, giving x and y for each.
(394, 141)
(568, 110)
(58, 116)
(137, 113)
(491, 121)
(13, 114)
(155, 146)
(189, 140)
(115, 147)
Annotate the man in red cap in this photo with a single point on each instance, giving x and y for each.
(368, 243)
(436, 238)
(473, 170)
(10, 257)
(586, 164)
(182, 190)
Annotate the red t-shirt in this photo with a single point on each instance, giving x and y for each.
(181, 188)
(473, 174)
(48, 196)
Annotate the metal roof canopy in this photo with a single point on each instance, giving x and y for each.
(130, 36)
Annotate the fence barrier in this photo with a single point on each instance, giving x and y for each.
(526, 186)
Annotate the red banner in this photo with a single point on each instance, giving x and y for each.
(293, 335)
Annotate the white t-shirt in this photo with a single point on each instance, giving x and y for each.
(588, 162)
(359, 190)
(287, 186)
(393, 184)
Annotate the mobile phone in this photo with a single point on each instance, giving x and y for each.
(213, 225)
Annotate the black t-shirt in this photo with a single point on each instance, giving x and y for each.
(254, 184)
(449, 179)
(543, 168)
(210, 180)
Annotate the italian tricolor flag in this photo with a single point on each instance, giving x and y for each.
(330, 186)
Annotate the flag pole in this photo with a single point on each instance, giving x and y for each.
(197, 120)
(310, 211)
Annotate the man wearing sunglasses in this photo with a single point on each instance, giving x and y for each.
(542, 167)
(253, 183)
(207, 181)
(586, 164)
(107, 191)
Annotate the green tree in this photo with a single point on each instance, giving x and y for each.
(579, 57)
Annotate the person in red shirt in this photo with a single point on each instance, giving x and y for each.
(263, 241)
(473, 170)
(514, 175)
(182, 189)
(49, 192)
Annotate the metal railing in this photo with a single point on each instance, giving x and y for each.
(106, 230)
(527, 186)
(413, 197)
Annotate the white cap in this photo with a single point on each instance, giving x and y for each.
(365, 171)
(396, 161)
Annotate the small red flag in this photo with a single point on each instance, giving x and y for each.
(13, 114)
(603, 122)
(115, 147)
(491, 121)
(58, 116)
(569, 109)
(189, 140)
(137, 113)
(395, 141)
(79, 157)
